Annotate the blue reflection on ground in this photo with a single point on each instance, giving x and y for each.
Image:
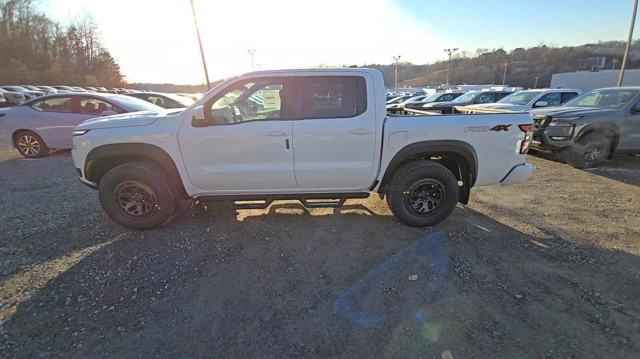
(386, 295)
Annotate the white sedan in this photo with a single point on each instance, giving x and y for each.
(48, 122)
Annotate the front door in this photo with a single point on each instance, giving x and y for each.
(334, 139)
(247, 147)
(630, 129)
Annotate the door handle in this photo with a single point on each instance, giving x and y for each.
(277, 133)
(360, 131)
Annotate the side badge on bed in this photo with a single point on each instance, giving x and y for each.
(499, 128)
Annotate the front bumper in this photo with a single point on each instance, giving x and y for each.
(518, 174)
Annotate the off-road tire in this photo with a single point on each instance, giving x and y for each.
(148, 179)
(425, 173)
(580, 155)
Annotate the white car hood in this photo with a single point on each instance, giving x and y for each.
(131, 119)
(503, 106)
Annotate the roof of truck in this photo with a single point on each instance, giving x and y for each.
(324, 69)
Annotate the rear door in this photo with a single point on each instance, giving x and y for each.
(334, 139)
(55, 121)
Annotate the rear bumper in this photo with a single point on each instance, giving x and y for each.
(518, 174)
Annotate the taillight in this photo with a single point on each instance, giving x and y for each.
(528, 136)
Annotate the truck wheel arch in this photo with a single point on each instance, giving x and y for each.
(103, 158)
(458, 156)
(610, 131)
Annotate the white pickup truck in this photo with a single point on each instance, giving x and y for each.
(318, 136)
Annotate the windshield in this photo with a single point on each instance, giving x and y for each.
(133, 104)
(468, 97)
(396, 100)
(609, 98)
(520, 97)
(432, 97)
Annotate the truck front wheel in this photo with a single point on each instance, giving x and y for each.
(137, 195)
(422, 193)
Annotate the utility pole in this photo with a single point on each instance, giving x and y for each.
(450, 53)
(204, 63)
(396, 58)
(626, 49)
(504, 75)
(535, 86)
(252, 53)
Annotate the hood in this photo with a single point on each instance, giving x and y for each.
(502, 106)
(563, 111)
(445, 103)
(131, 119)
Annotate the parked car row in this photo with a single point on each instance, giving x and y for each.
(47, 122)
(16, 94)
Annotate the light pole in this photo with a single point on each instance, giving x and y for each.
(204, 63)
(614, 61)
(251, 54)
(396, 58)
(504, 75)
(450, 53)
(626, 49)
(535, 86)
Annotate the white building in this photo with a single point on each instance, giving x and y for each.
(589, 80)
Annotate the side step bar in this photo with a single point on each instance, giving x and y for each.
(309, 200)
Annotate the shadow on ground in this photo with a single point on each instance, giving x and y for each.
(624, 168)
(351, 284)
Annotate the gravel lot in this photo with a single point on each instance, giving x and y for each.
(550, 268)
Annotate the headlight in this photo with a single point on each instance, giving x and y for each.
(559, 131)
(79, 132)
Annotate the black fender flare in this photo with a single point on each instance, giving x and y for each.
(609, 130)
(95, 165)
(461, 148)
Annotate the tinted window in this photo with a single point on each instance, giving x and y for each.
(488, 97)
(447, 97)
(260, 99)
(552, 99)
(56, 104)
(566, 96)
(332, 97)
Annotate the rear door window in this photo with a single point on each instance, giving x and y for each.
(56, 104)
(332, 97)
(94, 106)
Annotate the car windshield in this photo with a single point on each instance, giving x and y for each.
(432, 97)
(133, 104)
(396, 100)
(468, 97)
(607, 98)
(520, 97)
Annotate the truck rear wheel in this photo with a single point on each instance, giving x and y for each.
(422, 193)
(137, 195)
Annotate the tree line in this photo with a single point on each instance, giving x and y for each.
(35, 49)
(486, 66)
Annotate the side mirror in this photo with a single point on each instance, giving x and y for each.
(108, 113)
(541, 104)
(199, 117)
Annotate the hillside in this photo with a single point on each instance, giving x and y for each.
(487, 66)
